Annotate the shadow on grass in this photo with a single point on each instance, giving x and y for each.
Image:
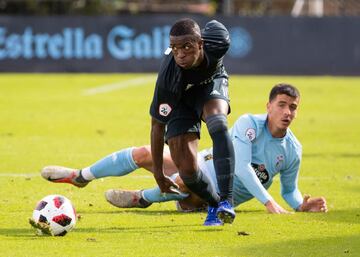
(333, 246)
(134, 211)
(19, 233)
(166, 229)
(23, 233)
(351, 216)
(150, 212)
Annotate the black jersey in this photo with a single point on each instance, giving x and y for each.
(172, 80)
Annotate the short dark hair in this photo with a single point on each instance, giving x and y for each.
(185, 26)
(285, 89)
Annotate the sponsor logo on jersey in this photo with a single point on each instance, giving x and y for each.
(164, 109)
(250, 134)
(261, 172)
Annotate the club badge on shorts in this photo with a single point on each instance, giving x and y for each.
(164, 109)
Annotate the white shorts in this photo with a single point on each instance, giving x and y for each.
(206, 165)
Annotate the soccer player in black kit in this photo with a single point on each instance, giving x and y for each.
(192, 85)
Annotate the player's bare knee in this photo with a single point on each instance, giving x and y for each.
(185, 161)
(141, 155)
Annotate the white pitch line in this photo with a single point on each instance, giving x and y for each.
(31, 175)
(119, 85)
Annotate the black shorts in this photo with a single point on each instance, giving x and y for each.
(186, 116)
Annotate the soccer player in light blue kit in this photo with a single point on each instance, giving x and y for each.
(264, 147)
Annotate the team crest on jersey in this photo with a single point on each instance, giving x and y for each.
(164, 109)
(261, 172)
(208, 157)
(279, 160)
(250, 134)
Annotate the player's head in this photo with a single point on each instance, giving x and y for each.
(283, 89)
(186, 43)
(282, 108)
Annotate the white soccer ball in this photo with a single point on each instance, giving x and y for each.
(57, 212)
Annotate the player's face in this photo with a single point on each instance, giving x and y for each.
(187, 50)
(281, 112)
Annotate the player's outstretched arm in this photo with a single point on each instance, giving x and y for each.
(313, 204)
(274, 208)
(165, 183)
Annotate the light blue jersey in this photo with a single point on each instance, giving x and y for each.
(258, 158)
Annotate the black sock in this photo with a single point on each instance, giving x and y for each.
(224, 156)
(81, 179)
(223, 153)
(201, 185)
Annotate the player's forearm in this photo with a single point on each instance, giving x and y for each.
(246, 173)
(157, 146)
(293, 198)
(289, 185)
(247, 176)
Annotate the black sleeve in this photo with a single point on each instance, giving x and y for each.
(166, 95)
(216, 38)
(162, 104)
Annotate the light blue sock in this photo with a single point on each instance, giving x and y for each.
(153, 195)
(116, 164)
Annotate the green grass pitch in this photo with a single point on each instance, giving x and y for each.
(73, 120)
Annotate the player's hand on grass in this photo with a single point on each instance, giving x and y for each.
(274, 207)
(166, 184)
(313, 204)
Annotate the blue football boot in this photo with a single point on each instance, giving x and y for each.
(225, 212)
(212, 219)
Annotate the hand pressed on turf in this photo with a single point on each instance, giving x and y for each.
(274, 207)
(313, 204)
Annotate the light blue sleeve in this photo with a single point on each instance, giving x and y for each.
(289, 185)
(243, 170)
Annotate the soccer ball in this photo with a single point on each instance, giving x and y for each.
(54, 215)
